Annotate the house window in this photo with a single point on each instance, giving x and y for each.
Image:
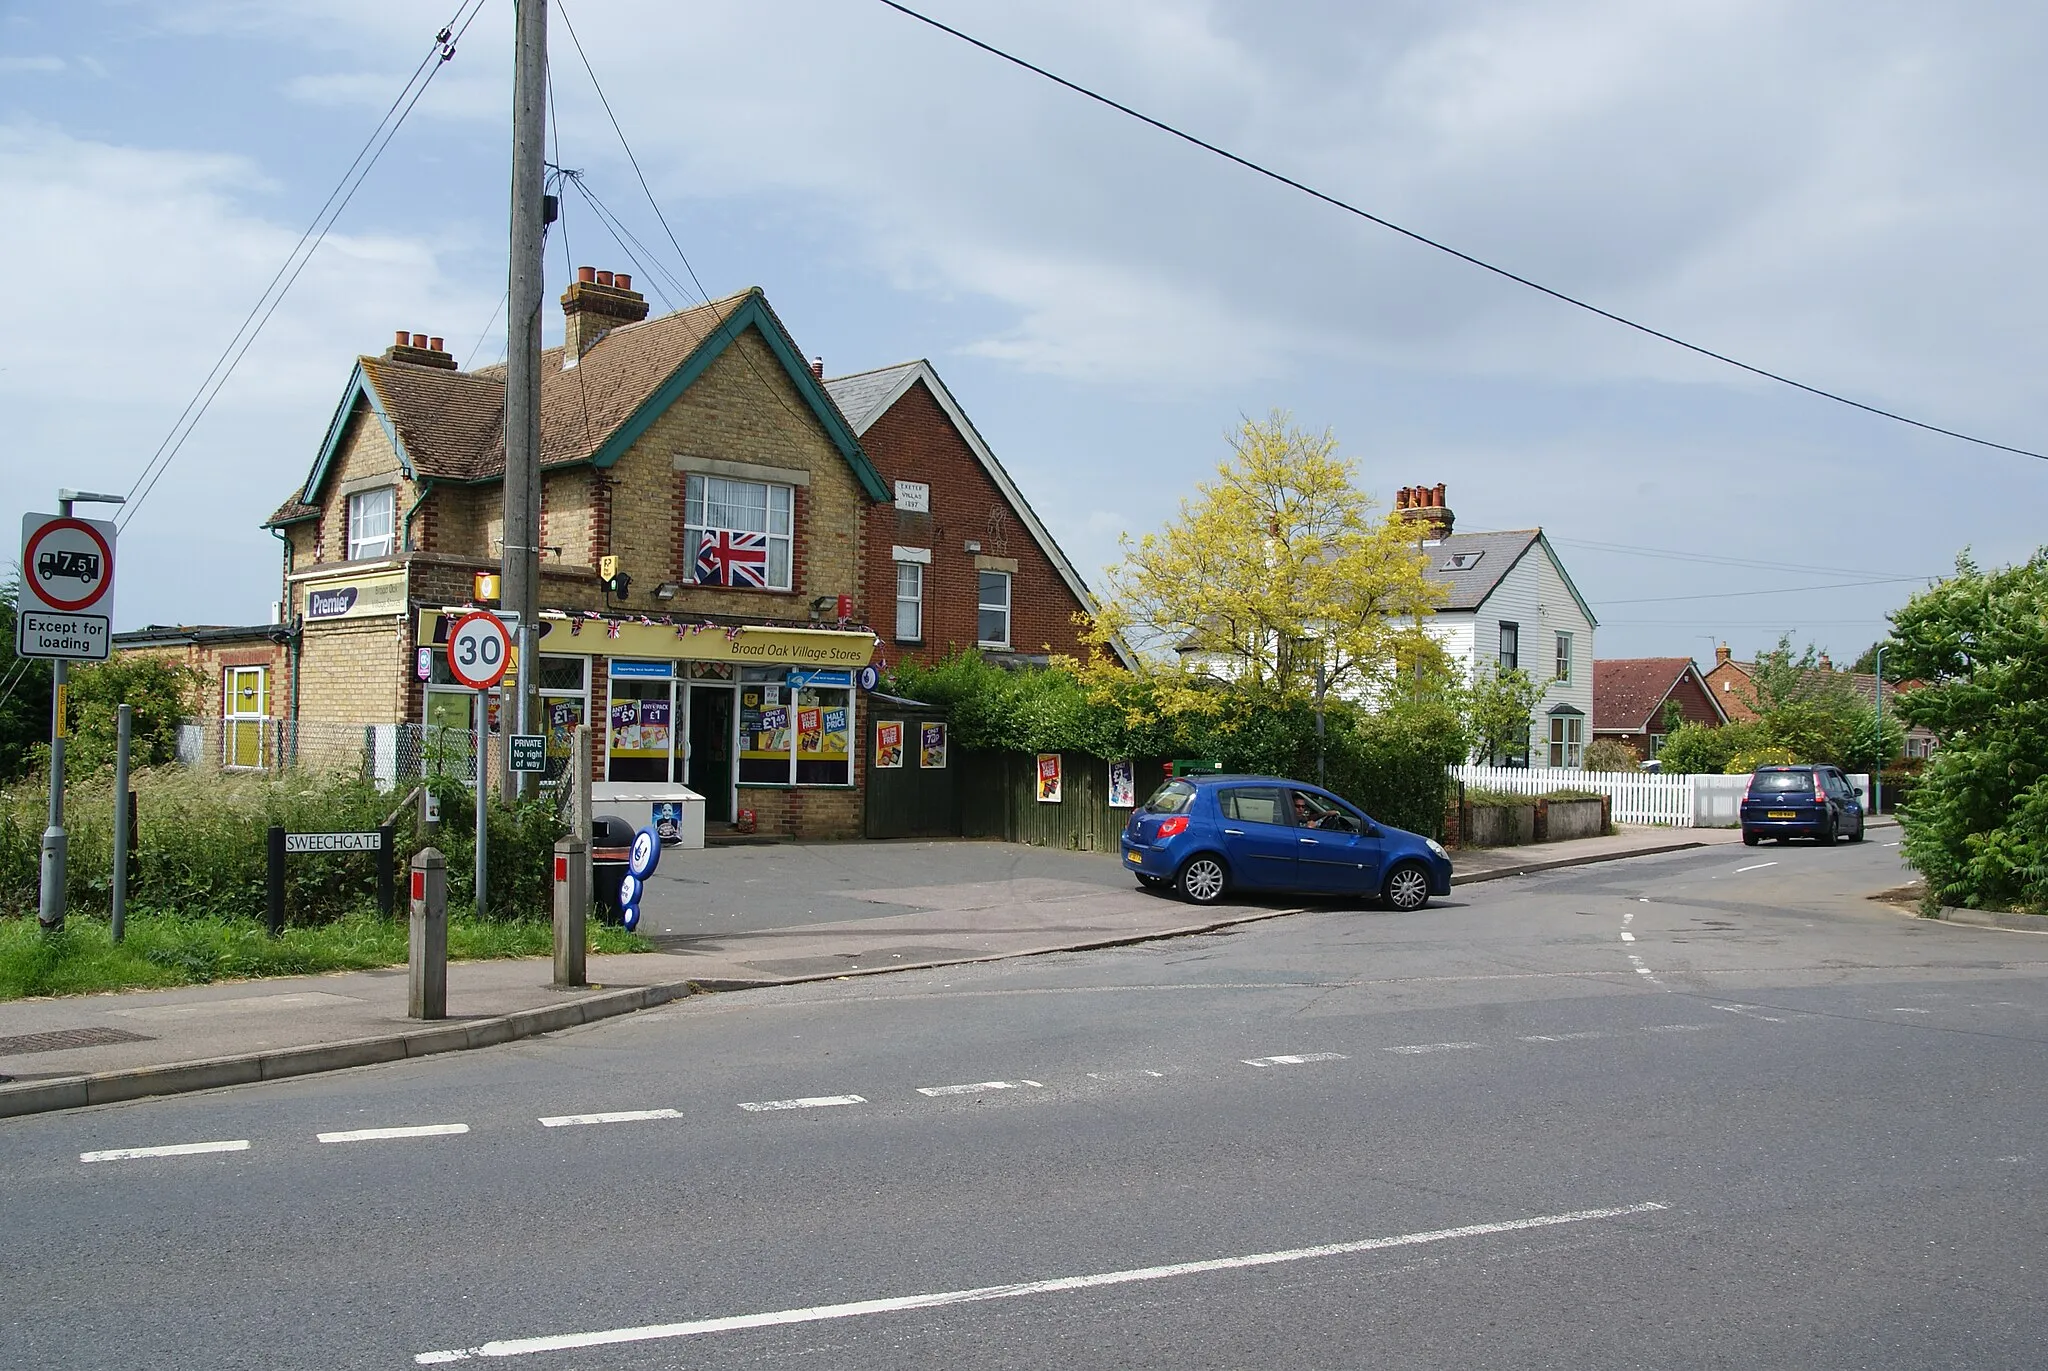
(1564, 658)
(795, 723)
(1464, 561)
(1567, 739)
(1510, 646)
(244, 716)
(994, 622)
(737, 533)
(909, 602)
(370, 521)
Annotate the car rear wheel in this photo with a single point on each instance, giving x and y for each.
(1826, 836)
(1202, 879)
(1406, 888)
(1750, 839)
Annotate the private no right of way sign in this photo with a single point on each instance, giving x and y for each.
(66, 604)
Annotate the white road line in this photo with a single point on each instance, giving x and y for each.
(1674, 1027)
(425, 1130)
(1413, 1048)
(1891, 844)
(1747, 1011)
(129, 1154)
(782, 1318)
(1758, 867)
(808, 1102)
(614, 1116)
(1912, 1011)
(1562, 1037)
(1124, 1075)
(978, 1087)
(1627, 918)
(1627, 936)
(1296, 1059)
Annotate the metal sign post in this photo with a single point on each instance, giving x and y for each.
(479, 650)
(67, 569)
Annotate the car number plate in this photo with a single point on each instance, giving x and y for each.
(1783, 814)
(1132, 857)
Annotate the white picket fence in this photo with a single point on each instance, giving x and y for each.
(1640, 797)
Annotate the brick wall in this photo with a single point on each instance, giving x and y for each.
(355, 673)
(915, 441)
(365, 451)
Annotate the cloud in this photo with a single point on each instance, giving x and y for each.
(31, 64)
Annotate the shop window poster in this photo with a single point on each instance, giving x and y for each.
(888, 742)
(772, 733)
(931, 747)
(1123, 786)
(810, 730)
(837, 735)
(1048, 778)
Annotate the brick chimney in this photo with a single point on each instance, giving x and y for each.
(420, 350)
(1825, 664)
(1425, 505)
(596, 303)
(1721, 655)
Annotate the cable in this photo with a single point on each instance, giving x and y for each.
(296, 261)
(1715, 559)
(1742, 594)
(503, 300)
(1446, 248)
(568, 262)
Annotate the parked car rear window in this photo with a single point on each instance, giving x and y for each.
(1767, 782)
(1252, 804)
(1170, 798)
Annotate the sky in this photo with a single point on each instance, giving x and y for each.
(1840, 192)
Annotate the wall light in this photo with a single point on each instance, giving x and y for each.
(666, 590)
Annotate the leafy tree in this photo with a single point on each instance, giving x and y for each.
(1977, 824)
(1816, 714)
(1867, 663)
(1502, 711)
(24, 696)
(1276, 567)
(160, 694)
(1703, 749)
(1611, 754)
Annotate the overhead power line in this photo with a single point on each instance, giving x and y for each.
(1715, 559)
(439, 53)
(1744, 594)
(1249, 165)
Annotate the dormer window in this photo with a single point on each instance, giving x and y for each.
(1464, 561)
(371, 522)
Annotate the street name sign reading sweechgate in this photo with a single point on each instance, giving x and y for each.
(332, 842)
(66, 604)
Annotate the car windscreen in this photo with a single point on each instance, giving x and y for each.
(1171, 798)
(1781, 782)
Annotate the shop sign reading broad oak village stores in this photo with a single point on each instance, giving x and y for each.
(686, 642)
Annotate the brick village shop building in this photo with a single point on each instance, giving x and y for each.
(760, 534)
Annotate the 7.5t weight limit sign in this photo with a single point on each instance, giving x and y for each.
(479, 650)
(67, 588)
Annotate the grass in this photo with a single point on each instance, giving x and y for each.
(163, 950)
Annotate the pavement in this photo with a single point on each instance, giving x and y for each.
(722, 919)
(1705, 1109)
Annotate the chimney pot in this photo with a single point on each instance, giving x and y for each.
(604, 278)
(818, 367)
(434, 344)
(586, 274)
(1438, 495)
(403, 338)
(622, 281)
(419, 340)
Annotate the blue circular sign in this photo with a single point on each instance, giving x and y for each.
(630, 917)
(646, 853)
(629, 894)
(868, 676)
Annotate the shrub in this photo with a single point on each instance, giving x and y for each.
(1611, 754)
(1749, 759)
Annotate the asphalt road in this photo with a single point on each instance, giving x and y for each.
(1665, 1113)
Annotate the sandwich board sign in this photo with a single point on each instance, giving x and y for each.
(66, 606)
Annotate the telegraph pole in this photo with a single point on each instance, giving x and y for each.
(520, 552)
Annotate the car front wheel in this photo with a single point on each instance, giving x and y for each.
(1202, 879)
(1407, 888)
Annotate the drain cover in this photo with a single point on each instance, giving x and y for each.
(63, 1038)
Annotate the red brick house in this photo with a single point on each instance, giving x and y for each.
(956, 558)
(1630, 695)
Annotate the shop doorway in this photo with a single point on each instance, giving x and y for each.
(709, 768)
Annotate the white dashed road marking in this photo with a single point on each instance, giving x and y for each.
(1912, 1011)
(978, 1087)
(1758, 867)
(808, 1102)
(1562, 1037)
(129, 1154)
(1296, 1059)
(425, 1130)
(1748, 1011)
(1627, 936)
(1674, 1027)
(1416, 1048)
(782, 1318)
(615, 1116)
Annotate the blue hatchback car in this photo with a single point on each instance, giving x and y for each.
(1203, 836)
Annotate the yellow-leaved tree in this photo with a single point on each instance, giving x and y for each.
(1276, 566)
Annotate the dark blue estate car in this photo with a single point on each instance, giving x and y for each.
(1800, 802)
(1206, 835)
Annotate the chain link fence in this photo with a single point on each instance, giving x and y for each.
(390, 756)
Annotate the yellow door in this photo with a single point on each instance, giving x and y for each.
(245, 711)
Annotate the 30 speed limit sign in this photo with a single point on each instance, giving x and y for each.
(479, 650)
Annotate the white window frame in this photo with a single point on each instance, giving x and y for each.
(1006, 608)
(1563, 664)
(913, 603)
(698, 491)
(379, 544)
(1567, 745)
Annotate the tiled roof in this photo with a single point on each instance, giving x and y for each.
(1473, 581)
(292, 511)
(863, 395)
(1627, 692)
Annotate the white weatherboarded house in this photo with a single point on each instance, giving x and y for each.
(1512, 604)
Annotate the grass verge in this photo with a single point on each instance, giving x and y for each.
(163, 950)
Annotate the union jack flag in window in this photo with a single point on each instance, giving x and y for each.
(725, 558)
